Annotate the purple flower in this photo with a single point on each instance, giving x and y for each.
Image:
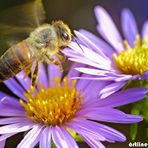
(118, 62)
(59, 106)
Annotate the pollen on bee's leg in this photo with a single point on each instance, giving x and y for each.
(32, 87)
(58, 63)
(61, 68)
(27, 71)
(34, 82)
(34, 76)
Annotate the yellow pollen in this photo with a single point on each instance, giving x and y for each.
(133, 60)
(55, 105)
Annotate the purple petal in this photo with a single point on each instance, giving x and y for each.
(96, 130)
(94, 143)
(145, 31)
(10, 107)
(92, 71)
(2, 143)
(11, 120)
(62, 138)
(145, 75)
(108, 29)
(72, 72)
(103, 78)
(125, 78)
(11, 112)
(88, 62)
(82, 84)
(15, 88)
(105, 48)
(71, 53)
(108, 115)
(122, 77)
(4, 137)
(111, 88)
(91, 55)
(43, 76)
(76, 48)
(45, 138)
(96, 86)
(12, 128)
(85, 130)
(53, 72)
(129, 26)
(88, 43)
(85, 58)
(7, 100)
(24, 81)
(123, 97)
(31, 138)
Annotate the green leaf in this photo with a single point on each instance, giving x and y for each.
(52, 144)
(133, 131)
(136, 109)
(147, 132)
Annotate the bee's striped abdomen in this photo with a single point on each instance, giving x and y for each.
(14, 60)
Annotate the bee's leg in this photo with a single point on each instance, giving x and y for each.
(58, 63)
(55, 61)
(61, 57)
(34, 75)
(27, 71)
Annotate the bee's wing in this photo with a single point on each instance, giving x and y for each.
(30, 14)
(18, 21)
(10, 35)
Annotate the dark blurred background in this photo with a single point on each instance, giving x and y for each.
(80, 14)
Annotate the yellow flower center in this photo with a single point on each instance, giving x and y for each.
(133, 60)
(55, 105)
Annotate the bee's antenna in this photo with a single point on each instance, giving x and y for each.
(75, 39)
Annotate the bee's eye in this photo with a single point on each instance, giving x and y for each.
(64, 34)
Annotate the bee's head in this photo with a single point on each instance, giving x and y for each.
(63, 32)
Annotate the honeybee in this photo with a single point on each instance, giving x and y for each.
(43, 44)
